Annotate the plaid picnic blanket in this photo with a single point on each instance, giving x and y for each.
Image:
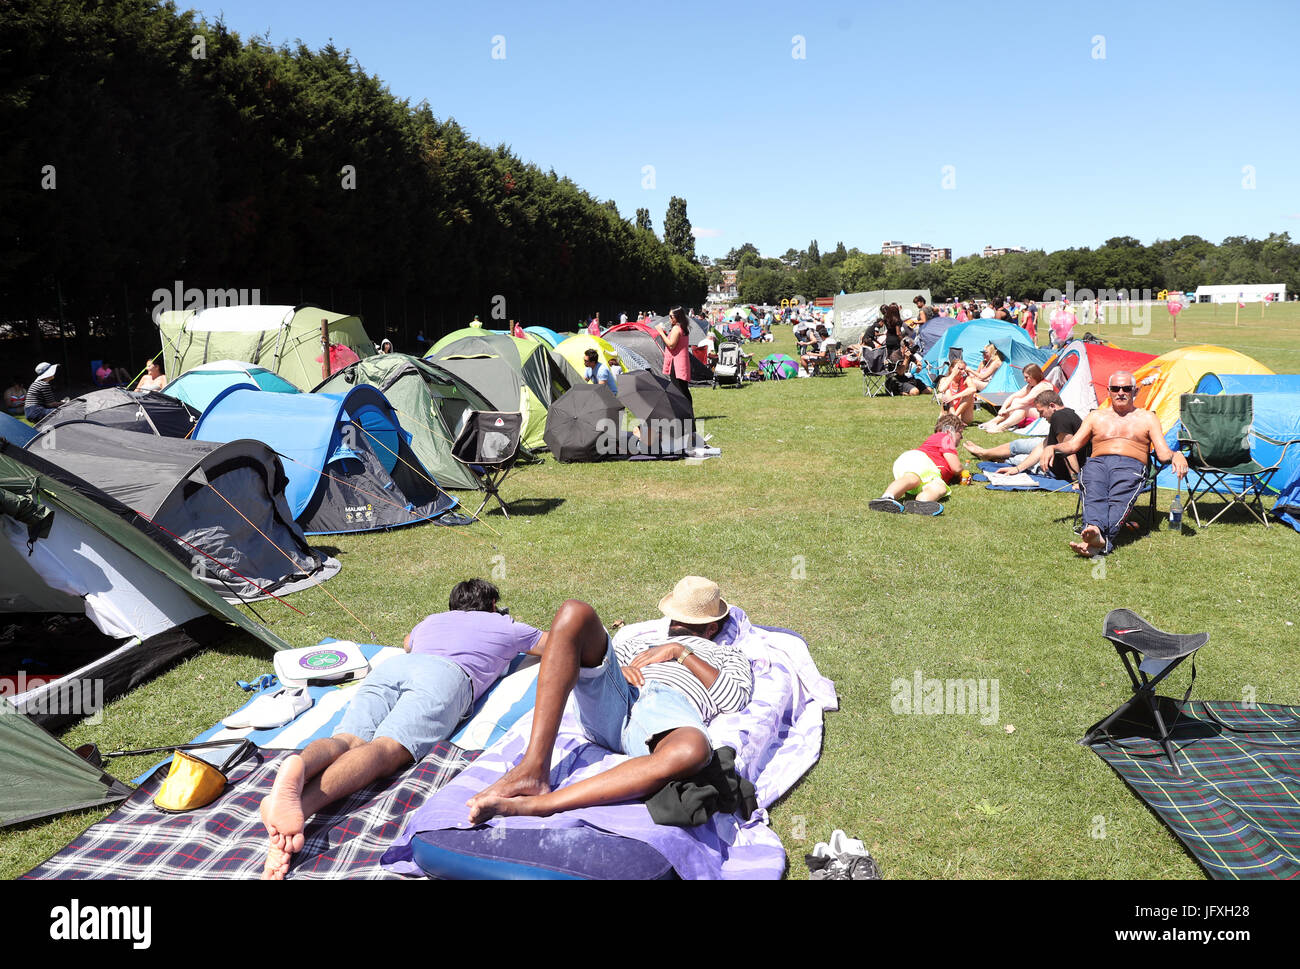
(1237, 804)
(226, 839)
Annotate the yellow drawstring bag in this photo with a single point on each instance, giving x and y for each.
(194, 783)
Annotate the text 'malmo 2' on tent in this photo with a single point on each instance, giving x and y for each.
(349, 463)
(286, 339)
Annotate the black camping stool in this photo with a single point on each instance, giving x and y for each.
(488, 445)
(1132, 636)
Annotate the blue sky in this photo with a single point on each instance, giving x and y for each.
(1043, 141)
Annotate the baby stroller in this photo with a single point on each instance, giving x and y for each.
(730, 368)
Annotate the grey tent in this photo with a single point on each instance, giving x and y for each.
(854, 312)
(147, 411)
(513, 375)
(223, 504)
(430, 403)
(121, 599)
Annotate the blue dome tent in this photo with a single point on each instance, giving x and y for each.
(349, 463)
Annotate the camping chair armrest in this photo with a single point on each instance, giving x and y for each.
(1276, 443)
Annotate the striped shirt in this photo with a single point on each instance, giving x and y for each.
(729, 693)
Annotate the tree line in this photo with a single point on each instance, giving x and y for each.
(144, 145)
(1121, 263)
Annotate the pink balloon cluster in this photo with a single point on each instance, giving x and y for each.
(1174, 307)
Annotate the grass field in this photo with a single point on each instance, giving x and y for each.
(986, 591)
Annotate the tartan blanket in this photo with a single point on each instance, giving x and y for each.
(1237, 804)
(226, 839)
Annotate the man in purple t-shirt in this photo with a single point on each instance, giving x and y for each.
(405, 706)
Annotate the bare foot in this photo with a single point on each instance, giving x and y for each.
(1090, 542)
(494, 805)
(974, 449)
(516, 783)
(282, 814)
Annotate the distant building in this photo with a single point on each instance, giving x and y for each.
(1002, 250)
(1243, 292)
(725, 291)
(919, 253)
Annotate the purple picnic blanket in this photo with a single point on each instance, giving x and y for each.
(777, 739)
(226, 839)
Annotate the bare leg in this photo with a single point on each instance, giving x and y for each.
(933, 491)
(576, 639)
(999, 453)
(680, 754)
(902, 486)
(328, 770)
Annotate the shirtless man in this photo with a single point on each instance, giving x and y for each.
(1122, 436)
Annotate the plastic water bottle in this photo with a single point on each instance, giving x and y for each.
(1176, 512)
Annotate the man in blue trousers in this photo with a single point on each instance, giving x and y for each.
(1123, 436)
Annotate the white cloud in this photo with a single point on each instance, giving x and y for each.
(705, 233)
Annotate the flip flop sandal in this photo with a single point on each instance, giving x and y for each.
(885, 504)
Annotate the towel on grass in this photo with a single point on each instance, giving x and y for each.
(777, 739)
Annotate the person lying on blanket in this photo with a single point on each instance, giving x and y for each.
(1026, 453)
(1122, 436)
(641, 696)
(405, 706)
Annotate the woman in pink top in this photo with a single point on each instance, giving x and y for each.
(677, 359)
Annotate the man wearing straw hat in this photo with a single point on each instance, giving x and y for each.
(649, 695)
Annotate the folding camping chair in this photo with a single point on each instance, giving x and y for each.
(874, 364)
(1148, 486)
(1216, 433)
(1149, 655)
(828, 365)
(488, 445)
(730, 368)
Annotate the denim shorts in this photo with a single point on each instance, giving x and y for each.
(624, 718)
(415, 699)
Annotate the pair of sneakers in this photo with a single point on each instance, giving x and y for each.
(843, 859)
(910, 507)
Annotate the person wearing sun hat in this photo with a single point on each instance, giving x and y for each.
(41, 398)
(649, 693)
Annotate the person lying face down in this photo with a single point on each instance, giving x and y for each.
(644, 697)
(404, 707)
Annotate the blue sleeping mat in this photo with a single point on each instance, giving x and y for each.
(1041, 482)
(537, 854)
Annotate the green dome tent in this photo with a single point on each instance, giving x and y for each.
(430, 402)
(511, 374)
(285, 339)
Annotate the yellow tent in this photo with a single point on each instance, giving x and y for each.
(1163, 380)
(573, 348)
